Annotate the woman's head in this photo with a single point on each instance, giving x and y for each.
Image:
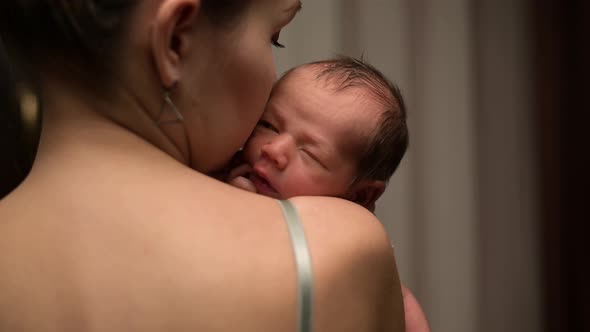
(214, 57)
(227, 75)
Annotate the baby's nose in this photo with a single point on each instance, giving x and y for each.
(278, 151)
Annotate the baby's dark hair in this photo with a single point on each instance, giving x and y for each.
(387, 145)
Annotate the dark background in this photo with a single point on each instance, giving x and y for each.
(562, 69)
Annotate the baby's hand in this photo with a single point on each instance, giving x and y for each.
(238, 177)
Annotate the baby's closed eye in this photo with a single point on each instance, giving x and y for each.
(267, 125)
(313, 157)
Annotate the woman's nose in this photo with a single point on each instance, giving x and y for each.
(278, 151)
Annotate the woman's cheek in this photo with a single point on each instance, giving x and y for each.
(253, 82)
(252, 151)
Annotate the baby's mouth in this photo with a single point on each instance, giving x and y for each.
(263, 186)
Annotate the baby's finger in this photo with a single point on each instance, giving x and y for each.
(243, 183)
(241, 170)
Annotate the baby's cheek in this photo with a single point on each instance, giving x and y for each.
(302, 185)
(325, 185)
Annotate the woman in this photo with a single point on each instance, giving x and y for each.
(113, 230)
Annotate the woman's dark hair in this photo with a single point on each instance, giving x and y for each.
(84, 32)
(224, 11)
(74, 37)
(15, 159)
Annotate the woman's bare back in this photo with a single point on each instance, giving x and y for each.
(92, 247)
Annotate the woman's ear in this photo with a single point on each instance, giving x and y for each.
(366, 193)
(170, 37)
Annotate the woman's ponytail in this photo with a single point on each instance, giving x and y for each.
(17, 144)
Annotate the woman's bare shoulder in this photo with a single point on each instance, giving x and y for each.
(342, 223)
(356, 284)
(354, 266)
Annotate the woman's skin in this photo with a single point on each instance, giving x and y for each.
(414, 316)
(113, 230)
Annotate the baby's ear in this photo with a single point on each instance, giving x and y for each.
(366, 193)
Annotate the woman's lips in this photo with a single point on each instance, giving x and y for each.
(263, 186)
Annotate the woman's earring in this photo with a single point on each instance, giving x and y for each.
(167, 107)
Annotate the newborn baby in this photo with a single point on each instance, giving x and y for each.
(330, 128)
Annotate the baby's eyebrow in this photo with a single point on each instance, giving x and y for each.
(324, 146)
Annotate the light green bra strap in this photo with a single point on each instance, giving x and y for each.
(303, 264)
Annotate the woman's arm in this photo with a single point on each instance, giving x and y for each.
(415, 318)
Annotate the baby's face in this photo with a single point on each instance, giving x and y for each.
(309, 139)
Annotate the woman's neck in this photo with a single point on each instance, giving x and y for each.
(72, 118)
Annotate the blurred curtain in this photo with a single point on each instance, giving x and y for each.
(461, 209)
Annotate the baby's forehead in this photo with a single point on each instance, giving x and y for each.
(306, 82)
(299, 81)
(308, 74)
(309, 77)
